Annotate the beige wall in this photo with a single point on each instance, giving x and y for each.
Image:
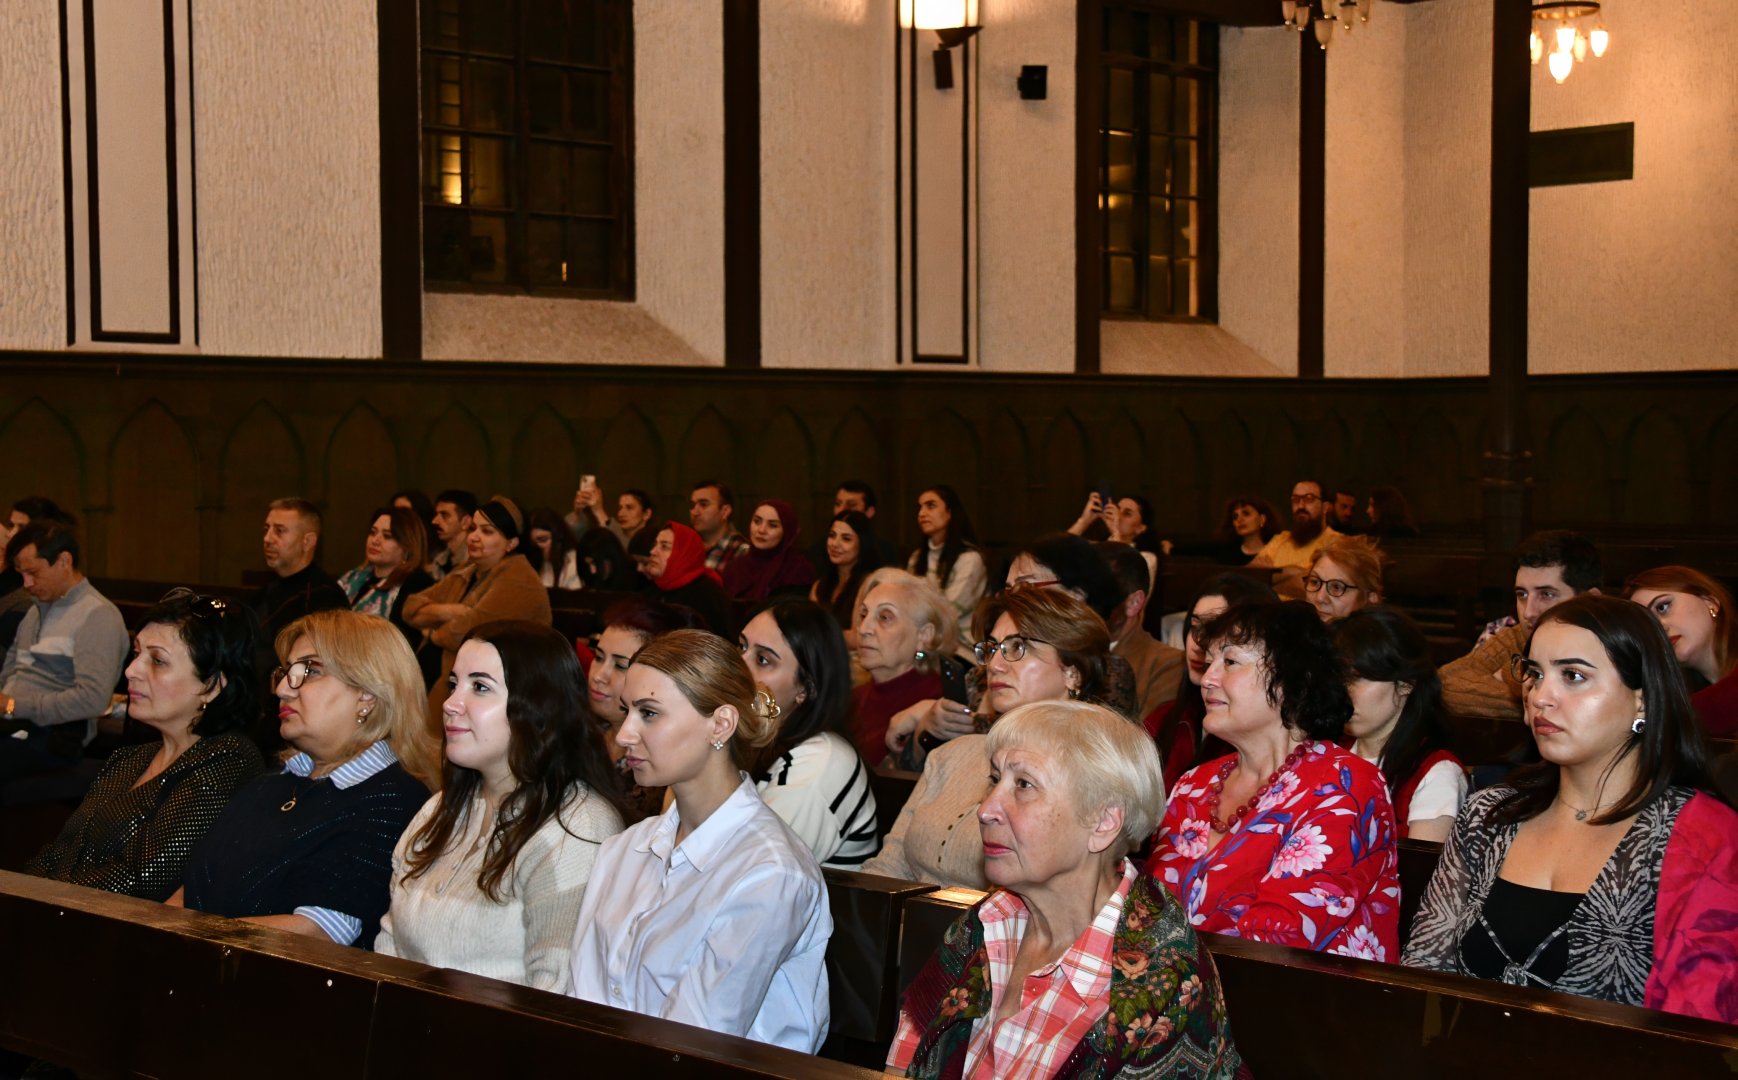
(32, 227)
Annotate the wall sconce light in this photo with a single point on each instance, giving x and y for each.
(954, 23)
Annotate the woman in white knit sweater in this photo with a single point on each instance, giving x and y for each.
(491, 873)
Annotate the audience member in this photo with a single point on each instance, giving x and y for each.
(589, 513)
(452, 522)
(1073, 790)
(1550, 567)
(1038, 645)
(1607, 869)
(64, 661)
(1307, 858)
(1177, 727)
(627, 625)
(810, 774)
(192, 680)
(551, 552)
(1070, 563)
(1126, 520)
(1289, 552)
(1345, 575)
(1344, 513)
(634, 510)
(714, 913)
(603, 563)
(1157, 667)
(1397, 720)
(292, 539)
(490, 874)
(948, 557)
(774, 565)
(852, 555)
(1390, 514)
(677, 568)
(858, 496)
(1246, 527)
(710, 506)
(15, 599)
(1696, 612)
(903, 627)
(495, 583)
(422, 506)
(309, 849)
(392, 570)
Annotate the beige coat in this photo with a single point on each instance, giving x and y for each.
(512, 590)
(936, 838)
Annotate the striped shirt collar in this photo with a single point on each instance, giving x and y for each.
(352, 772)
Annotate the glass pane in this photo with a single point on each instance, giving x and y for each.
(1122, 32)
(440, 22)
(1158, 166)
(443, 178)
(491, 27)
(1183, 293)
(1119, 99)
(1120, 162)
(545, 90)
(1159, 37)
(588, 254)
(1186, 107)
(587, 36)
(1185, 174)
(551, 178)
(591, 180)
(1158, 287)
(491, 96)
(1158, 226)
(547, 253)
(490, 181)
(1186, 220)
(1186, 43)
(488, 248)
(1158, 102)
(1121, 281)
(443, 244)
(589, 109)
(546, 29)
(1120, 215)
(440, 90)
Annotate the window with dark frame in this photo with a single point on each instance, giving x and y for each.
(1157, 179)
(527, 118)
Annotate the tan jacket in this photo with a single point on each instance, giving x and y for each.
(512, 590)
(935, 837)
(1158, 668)
(1482, 683)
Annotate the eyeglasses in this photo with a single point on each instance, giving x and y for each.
(1304, 500)
(1012, 648)
(1525, 671)
(211, 607)
(1336, 588)
(1034, 583)
(297, 673)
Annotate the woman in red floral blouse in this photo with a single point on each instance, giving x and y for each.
(1290, 839)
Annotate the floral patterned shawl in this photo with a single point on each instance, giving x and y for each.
(1165, 1015)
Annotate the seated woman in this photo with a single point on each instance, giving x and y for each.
(489, 876)
(1345, 575)
(1126, 520)
(497, 583)
(949, 558)
(677, 569)
(1398, 723)
(393, 567)
(1696, 612)
(1248, 523)
(903, 625)
(603, 563)
(810, 774)
(1390, 515)
(1177, 726)
(852, 555)
(309, 849)
(192, 679)
(1608, 868)
(551, 552)
(774, 565)
(713, 913)
(1073, 789)
(1038, 645)
(628, 624)
(1307, 856)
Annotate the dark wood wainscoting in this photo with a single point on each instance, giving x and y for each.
(170, 462)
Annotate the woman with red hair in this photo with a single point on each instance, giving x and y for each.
(1696, 613)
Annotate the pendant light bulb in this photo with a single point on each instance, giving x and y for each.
(1324, 33)
(1599, 40)
(1536, 46)
(1561, 63)
(1580, 47)
(1565, 38)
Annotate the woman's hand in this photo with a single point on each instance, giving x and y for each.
(440, 614)
(1091, 512)
(939, 718)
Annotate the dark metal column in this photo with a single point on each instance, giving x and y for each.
(1508, 481)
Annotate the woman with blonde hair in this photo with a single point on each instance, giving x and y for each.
(713, 913)
(1696, 613)
(309, 849)
(1345, 575)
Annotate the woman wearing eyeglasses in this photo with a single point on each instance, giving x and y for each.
(1345, 575)
(309, 849)
(1036, 644)
(192, 680)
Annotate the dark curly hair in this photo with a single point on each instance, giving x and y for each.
(222, 638)
(555, 752)
(1306, 679)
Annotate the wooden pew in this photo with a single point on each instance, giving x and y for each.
(891, 787)
(1417, 864)
(863, 960)
(112, 986)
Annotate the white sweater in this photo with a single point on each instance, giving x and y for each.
(443, 919)
(820, 787)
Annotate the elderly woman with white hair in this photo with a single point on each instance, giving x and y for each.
(1076, 963)
(904, 627)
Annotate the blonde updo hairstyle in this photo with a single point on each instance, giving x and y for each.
(711, 674)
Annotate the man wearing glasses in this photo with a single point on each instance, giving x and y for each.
(1290, 552)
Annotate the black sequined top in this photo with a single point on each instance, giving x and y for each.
(135, 840)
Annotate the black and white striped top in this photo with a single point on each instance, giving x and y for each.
(820, 787)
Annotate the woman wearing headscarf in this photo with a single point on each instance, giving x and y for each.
(774, 563)
(677, 567)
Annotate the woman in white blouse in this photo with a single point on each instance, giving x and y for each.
(490, 875)
(811, 775)
(714, 913)
(949, 558)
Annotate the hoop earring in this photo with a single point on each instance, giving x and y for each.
(1636, 727)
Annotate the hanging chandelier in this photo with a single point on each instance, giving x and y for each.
(1561, 24)
(1336, 15)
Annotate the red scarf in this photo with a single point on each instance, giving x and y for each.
(687, 559)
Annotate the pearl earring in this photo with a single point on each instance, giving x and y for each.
(717, 745)
(921, 656)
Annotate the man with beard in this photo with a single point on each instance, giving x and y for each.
(1290, 552)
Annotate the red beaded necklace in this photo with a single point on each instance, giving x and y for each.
(1217, 787)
